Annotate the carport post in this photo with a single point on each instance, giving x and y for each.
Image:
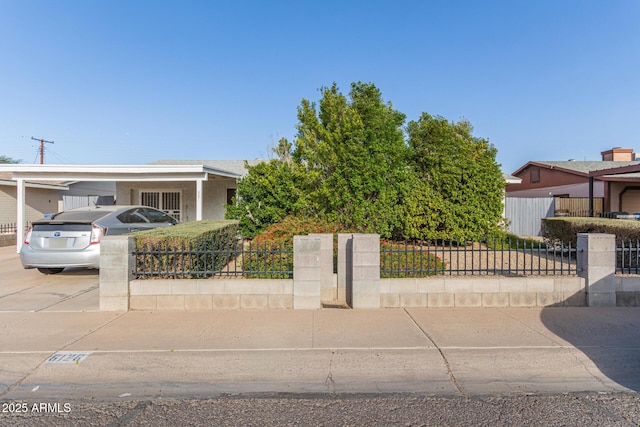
(198, 200)
(20, 199)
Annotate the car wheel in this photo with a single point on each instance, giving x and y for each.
(50, 270)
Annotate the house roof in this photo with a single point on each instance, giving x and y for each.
(511, 179)
(578, 167)
(234, 166)
(66, 173)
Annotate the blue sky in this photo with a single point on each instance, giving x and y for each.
(130, 82)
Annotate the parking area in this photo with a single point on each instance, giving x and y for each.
(30, 290)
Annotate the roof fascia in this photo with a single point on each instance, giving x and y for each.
(116, 173)
(616, 171)
(551, 167)
(35, 185)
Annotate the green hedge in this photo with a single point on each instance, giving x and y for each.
(566, 229)
(401, 260)
(197, 236)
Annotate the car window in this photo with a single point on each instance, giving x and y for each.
(88, 216)
(62, 227)
(159, 217)
(133, 216)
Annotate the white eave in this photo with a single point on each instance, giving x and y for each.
(114, 172)
(35, 185)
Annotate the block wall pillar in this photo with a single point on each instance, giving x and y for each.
(365, 271)
(328, 289)
(596, 263)
(307, 272)
(116, 271)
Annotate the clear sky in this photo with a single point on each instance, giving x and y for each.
(130, 82)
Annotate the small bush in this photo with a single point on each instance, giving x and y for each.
(566, 229)
(400, 260)
(506, 241)
(272, 250)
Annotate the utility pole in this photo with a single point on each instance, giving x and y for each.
(42, 141)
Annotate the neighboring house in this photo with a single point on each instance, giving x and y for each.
(577, 184)
(43, 197)
(188, 190)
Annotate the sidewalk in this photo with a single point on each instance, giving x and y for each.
(460, 352)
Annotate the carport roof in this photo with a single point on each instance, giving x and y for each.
(163, 172)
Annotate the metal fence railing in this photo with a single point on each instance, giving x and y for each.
(628, 257)
(214, 259)
(11, 228)
(407, 259)
(489, 257)
(8, 228)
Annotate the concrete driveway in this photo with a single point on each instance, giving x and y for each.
(30, 290)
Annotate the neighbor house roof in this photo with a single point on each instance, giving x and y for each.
(577, 166)
(511, 179)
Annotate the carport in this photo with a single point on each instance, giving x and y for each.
(195, 173)
(622, 188)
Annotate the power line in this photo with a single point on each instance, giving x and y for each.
(42, 141)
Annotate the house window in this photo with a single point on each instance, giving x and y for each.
(231, 193)
(534, 174)
(168, 202)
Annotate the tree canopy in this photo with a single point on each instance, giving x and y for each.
(6, 159)
(351, 164)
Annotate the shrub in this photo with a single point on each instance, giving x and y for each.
(282, 232)
(271, 252)
(503, 241)
(199, 246)
(566, 229)
(400, 260)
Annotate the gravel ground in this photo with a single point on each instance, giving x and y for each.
(583, 409)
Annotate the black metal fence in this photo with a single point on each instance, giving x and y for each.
(505, 257)
(8, 228)
(628, 258)
(240, 259)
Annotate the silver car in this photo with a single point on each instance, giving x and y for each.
(72, 238)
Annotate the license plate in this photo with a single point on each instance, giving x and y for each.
(57, 243)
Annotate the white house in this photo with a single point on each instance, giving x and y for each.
(189, 190)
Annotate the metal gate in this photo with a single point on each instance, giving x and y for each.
(166, 201)
(524, 214)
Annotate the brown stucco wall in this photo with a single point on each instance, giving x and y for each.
(548, 178)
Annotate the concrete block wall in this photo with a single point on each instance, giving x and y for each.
(490, 291)
(365, 271)
(307, 272)
(344, 268)
(328, 288)
(627, 291)
(597, 265)
(8, 240)
(116, 271)
(211, 294)
(358, 282)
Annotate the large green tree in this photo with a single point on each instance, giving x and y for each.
(269, 192)
(354, 152)
(351, 165)
(459, 194)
